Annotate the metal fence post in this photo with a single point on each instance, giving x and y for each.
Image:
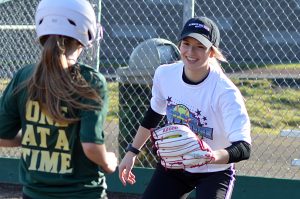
(188, 10)
(98, 45)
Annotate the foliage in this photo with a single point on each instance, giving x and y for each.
(113, 93)
(3, 84)
(233, 67)
(271, 109)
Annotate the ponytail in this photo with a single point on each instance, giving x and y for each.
(218, 54)
(217, 58)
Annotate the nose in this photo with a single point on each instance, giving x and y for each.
(190, 49)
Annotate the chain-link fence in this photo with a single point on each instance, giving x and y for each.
(260, 38)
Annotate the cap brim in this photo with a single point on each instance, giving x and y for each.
(200, 38)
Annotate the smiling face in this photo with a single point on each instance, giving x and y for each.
(194, 54)
(195, 57)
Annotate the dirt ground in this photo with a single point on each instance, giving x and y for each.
(10, 191)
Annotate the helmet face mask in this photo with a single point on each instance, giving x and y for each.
(72, 18)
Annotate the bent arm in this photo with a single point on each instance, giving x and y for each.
(126, 165)
(141, 137)
(238, 151)
(220, 157)
(15, 142)
(98, 154)
(150, 120)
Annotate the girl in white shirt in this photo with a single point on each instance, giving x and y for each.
(197, 92)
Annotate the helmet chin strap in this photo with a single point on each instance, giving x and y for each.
(91, 52)
(73, 57)
(92, 49)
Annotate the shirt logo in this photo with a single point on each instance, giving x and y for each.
(180, 114)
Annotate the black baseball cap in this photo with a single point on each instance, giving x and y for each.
(203, 29)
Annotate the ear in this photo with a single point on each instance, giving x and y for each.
(212, 52)
(179, 43)
(80, 49)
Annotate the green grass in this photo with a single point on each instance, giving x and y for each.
(113, 102)
(3, 84)
(230, 67)
(270, 108)
(283, 66)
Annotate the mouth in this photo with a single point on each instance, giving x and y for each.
(191, 59)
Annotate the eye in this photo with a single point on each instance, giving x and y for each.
(200, 46)
(185, 43)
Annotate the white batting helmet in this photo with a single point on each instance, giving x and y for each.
(72, 18)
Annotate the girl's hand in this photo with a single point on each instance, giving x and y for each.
(112, 162)
(125, 168)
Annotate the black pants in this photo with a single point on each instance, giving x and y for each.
(27, 197)
(177, 184)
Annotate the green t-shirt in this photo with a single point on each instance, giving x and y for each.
(53, 164)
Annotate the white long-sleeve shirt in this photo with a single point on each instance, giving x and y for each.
(214, 109)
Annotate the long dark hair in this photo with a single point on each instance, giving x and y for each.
(54, 83)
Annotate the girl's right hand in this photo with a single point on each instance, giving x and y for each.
(112, 162)
(125, 168)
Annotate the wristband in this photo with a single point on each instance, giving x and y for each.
(132, 149)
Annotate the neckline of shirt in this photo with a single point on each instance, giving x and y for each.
(189, 82)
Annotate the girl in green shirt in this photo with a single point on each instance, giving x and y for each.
(55, 110)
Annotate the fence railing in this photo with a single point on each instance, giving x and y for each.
(260, 38)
